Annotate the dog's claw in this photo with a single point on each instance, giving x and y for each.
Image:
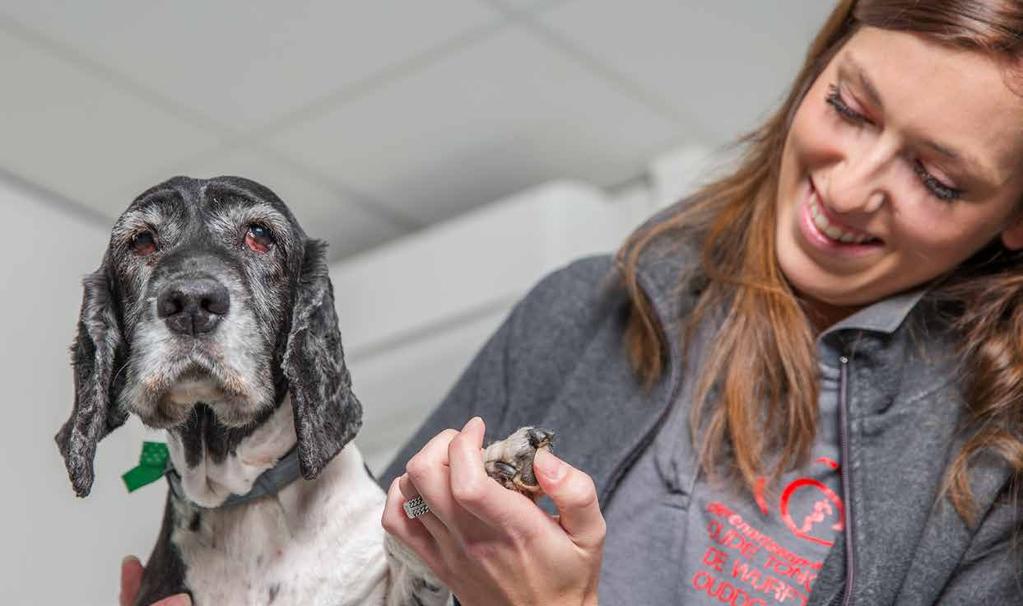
(505, 469)
(539, 438)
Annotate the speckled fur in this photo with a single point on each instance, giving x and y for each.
(314, 543)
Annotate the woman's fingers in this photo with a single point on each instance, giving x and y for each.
(428, 476)
(469, 480)
(131, 580)
(575, 496)
(494, 545)
(476, 492)
(428, 520)
(411, 532)
(465, 502)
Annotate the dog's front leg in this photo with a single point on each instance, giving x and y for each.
(411, 583)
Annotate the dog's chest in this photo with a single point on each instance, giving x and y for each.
(315, 543)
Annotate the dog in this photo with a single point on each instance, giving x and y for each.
(212, 316)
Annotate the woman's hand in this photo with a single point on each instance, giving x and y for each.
(490, 545)
(131, 581)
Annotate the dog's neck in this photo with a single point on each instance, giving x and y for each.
(209, 483)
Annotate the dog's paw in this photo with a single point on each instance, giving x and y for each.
(510, 461)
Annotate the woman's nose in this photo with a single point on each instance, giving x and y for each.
(857, 184)
(849, 204)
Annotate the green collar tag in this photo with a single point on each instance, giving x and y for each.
(152, 465)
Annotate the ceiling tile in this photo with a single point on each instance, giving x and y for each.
(73, 133)
(244, 64)
(505, 114)
(724, 63)
(348, 225)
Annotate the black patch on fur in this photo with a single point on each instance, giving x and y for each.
(273, 591)
(193, 525)
(164, 574)
(203, 435)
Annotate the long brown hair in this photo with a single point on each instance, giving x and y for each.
(756, 404)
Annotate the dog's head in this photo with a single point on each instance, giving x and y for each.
(211, 305)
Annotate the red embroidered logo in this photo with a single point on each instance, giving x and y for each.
(746, 567)
(826, 509)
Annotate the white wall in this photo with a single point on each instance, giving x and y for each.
(414, 312)
(56, 548)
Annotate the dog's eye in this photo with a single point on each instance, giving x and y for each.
(259, 238)
(143, 243)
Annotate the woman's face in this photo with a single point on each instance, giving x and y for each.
(902, 160)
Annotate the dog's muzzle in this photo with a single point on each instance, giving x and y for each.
(193, 306)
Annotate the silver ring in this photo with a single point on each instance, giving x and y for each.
(415, 507)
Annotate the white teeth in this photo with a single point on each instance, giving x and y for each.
(833, 231)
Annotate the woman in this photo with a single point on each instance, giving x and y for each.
(802, 385)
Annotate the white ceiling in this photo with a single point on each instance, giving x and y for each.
(374, 119)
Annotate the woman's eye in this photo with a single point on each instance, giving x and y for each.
(143, 243)
(945, 193)
(835, 100)
(259, 238)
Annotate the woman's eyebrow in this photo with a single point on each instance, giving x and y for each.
(851, 69)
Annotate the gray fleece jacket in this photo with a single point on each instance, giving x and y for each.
(558, 362)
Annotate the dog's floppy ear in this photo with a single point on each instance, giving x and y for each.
(327, 414)
(93, 356)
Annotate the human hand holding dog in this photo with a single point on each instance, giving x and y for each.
(490, 545)
(131, 582)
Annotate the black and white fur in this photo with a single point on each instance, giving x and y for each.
(235, 351)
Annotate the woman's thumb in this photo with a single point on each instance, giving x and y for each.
(575, 497)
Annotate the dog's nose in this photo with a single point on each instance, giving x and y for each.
(193, 307)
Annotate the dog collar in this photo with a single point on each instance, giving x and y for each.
(268, 483)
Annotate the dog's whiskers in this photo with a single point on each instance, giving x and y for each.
(118, 373)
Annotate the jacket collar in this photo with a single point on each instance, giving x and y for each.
(884, 316)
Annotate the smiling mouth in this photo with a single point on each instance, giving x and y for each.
(833, 230)
(828, 230)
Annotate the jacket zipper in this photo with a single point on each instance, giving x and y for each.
(843, 437)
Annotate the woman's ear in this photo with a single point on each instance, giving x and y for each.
(1012, 235)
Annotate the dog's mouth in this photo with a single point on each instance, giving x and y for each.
(167, 399)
